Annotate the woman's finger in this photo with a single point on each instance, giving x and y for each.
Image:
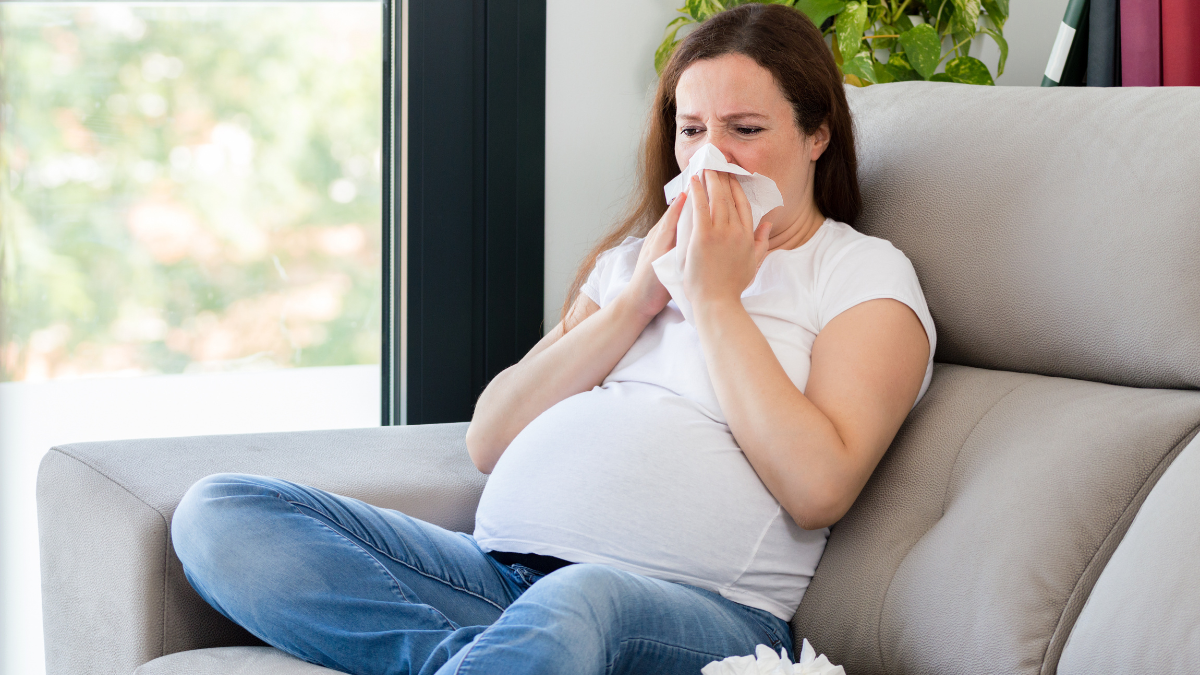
(700, 205)
(720, 200)
(762, 241)
(741, 203)
(670, 222)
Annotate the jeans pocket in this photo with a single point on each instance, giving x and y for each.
(777, 631)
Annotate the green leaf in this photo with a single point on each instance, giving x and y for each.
(968, 70)
(922, 49)
(664, 51)
(861, 66)
(819, 10)
(1003, 44)
(942, 77)
(899, 70)
(966, 15)
(849, 29)
(997, 10)
(904, 23)
(695, 9)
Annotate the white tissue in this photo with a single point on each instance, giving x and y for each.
(767, 662)
(761, 192)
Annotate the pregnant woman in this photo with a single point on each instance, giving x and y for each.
(661, 486)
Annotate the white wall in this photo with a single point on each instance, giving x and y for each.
(599, 80)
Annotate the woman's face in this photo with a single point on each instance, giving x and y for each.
(735, 104)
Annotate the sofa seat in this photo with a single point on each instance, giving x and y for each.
(231, 661)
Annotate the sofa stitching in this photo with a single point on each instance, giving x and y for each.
(954, 464)
(1122, 524)
(166, 539)
(887, 591)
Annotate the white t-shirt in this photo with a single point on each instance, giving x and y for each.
(642, 472)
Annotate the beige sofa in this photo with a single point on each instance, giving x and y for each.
(1039, 512)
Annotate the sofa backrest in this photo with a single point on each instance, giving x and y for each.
(1056, 234)
(1055, 231)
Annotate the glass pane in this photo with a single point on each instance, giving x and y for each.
(190, 227)
(190, 188)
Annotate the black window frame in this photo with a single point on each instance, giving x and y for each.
(464, 265)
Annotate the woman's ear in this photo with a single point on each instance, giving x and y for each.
(820, 141)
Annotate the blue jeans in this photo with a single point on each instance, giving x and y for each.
(349, 586)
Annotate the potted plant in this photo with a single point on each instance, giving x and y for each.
(917, 36)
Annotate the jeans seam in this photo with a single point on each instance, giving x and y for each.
(621, 646)
(397, 560)
(395, 582)
(469, 648)
(772, 632)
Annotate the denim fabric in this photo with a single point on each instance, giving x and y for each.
(364, 590)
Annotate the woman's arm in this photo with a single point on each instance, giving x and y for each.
(558, 366)
(568, 362)
(814, 452)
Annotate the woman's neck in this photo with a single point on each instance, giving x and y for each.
(798, 232)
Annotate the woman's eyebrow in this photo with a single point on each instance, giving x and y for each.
(732, 117)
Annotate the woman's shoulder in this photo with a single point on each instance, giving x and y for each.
(613, 268)
(842, 244)
(843, 251)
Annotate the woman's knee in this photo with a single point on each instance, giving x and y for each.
(211, 515)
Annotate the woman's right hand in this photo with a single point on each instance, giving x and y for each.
(645, 292)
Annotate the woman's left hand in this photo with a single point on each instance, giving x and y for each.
(725, 251)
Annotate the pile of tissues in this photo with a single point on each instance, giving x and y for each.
(767, 662)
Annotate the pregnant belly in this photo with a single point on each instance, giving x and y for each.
(628, 473)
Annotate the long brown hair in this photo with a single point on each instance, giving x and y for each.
(786, 43)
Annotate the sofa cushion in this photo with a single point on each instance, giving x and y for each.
(231, 661)
(978, 539)
(1143, 614)
(1054, 230)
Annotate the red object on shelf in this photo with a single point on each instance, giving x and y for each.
(1141, 43)
(1181, 43)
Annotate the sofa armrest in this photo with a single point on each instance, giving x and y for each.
(113, 592)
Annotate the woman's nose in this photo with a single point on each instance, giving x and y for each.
(720, 141)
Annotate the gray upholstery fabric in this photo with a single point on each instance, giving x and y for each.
(1054, 230)
(114, 594)
(1144, 612)
(977, 540)
(232, 661)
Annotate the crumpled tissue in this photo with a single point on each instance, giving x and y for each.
(761, 192)
(767, 662)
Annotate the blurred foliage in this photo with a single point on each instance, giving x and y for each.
(880, 41)
(189, 187)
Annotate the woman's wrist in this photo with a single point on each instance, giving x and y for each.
(716, 312)
(628, 306)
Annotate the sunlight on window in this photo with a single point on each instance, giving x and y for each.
(189, 188)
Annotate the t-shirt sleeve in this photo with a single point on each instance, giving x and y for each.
(613, 269)
(871, 269)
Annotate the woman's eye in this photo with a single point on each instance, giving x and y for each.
(748, 131)
(689, 131)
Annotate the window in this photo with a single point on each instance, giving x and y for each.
(190, 234)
